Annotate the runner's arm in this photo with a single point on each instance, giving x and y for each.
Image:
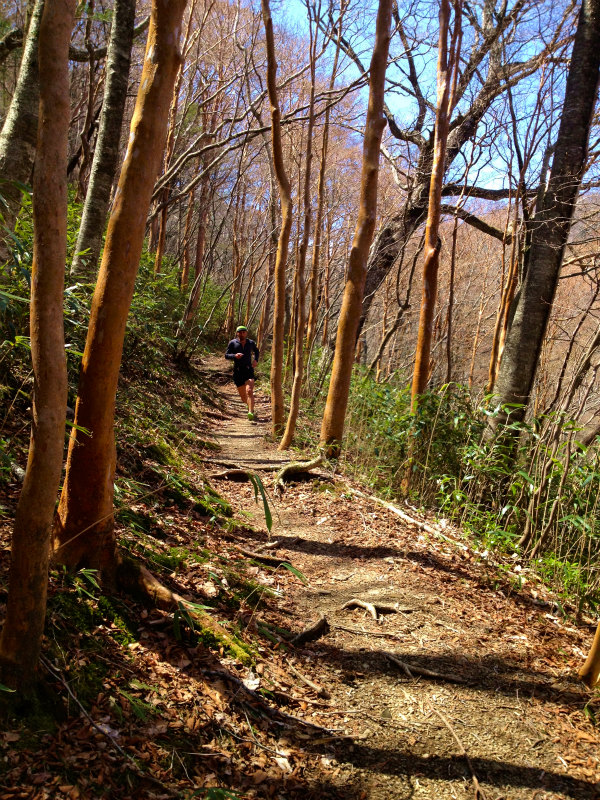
(230, 354)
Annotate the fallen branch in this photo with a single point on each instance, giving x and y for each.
(230, 475)
(261, 466)
(271, 561)
(274, 713)
(423, 526)
(294, 468)
(316, 631)
(320, 690)
(374, 609)
(411, 670)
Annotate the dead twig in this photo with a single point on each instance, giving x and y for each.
(360, 632)
(320, 690)
(412, 670)
(479, 792)
(57, 674)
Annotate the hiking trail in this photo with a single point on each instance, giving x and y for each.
(464, 686)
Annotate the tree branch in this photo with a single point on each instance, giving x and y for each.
(476, 222)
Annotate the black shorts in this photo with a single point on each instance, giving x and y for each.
(240, 376)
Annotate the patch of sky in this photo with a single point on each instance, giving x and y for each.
(529, 115)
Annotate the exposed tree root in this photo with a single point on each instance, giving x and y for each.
(294, 468)
(374, 609)
(320, 628)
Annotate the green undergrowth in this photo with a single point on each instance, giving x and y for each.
(546, 491)
(164, 504)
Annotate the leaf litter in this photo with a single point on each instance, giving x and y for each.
(153, 710)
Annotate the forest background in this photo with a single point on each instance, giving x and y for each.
(206, 218)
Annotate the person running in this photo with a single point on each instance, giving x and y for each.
(244, 354)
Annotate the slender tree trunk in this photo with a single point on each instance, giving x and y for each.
(171, 130)
(332, 428)
(84, 532)
(290, 427)
(447, 72)
(19, 132)
(285, 194)
(316, 253)
(507, 297)
(23, 627)
(591, 669)
(185, 261)
(552, 223)
(106, 154)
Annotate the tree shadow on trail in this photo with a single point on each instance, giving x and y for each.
(490, 673)
(395, 761)
(483, 577)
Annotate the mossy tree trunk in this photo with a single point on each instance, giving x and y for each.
(19, 132)
(332, 427)
(84, 531)
(23, 627)
(552, 223)
(106, 154)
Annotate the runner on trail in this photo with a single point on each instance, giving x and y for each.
(244, 354)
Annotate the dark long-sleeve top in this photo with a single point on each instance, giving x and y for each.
(248, 348)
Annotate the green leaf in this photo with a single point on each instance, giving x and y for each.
(14, 297)
(258, 487)
(295, 571)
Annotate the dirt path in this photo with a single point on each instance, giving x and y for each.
(504, 718)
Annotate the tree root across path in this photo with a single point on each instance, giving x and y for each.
(295, 468)
(374, 609)
(239, 472)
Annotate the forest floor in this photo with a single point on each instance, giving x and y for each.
(463, 687)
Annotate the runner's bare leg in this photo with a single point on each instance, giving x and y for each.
(243, 394)
(249, 388)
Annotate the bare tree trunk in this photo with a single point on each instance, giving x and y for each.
(316, 253)
(106, 154)
(507, 297)
(591, 669)
(23, 627)
(285, 194)
(447, 73)
(162, 229)
(552, 222)
(84, 531)
(19, 132)
(290, 427)
(332, 427)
